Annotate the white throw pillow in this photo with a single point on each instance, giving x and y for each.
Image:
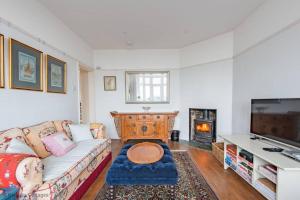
(80, 132)
(17, 146)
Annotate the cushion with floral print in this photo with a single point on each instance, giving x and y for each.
(8, 135)
(98, 131)
(63, 126)
(29, 174)
(8, 166)
(34, 135)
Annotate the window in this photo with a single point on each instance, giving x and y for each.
(147, 87)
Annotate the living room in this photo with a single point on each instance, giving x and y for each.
(134, 72)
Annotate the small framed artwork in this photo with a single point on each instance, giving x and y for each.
(110, 83)
(25, 67)
(1, 61)
(56, 75)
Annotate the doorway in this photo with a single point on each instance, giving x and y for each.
(85, 98)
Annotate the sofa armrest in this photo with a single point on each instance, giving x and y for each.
(29, 174)
(98, 131)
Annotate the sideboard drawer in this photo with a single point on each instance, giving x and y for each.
(158, 117)
(144, 117)
(130, 118)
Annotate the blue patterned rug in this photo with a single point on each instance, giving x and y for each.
(191, 185)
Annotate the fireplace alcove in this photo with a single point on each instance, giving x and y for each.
(202, 127)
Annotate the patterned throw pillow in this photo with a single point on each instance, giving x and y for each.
(98, 130)
(34, 135)
(59, 144)
(8, 135)
(29, 174)
(8, 167)
(63, 126)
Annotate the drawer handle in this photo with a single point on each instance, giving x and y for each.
(144, 117)
(144, 128)
(130, 117)
(157, 117)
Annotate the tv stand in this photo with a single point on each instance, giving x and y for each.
(288, 170)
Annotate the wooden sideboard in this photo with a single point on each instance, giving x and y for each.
(144, 125)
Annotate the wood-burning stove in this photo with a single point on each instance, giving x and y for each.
(203, 126)
(203, 131)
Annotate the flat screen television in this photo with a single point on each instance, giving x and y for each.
(277, 119)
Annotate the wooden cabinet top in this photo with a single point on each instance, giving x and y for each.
(115, 114)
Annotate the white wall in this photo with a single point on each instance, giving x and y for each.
(33, 17)
(207, 86)
(22, 108)
(114, 63)
(206, 81)
(211, 50)
(28, 21)
(269, 19)
(271, 67)
(137, 59)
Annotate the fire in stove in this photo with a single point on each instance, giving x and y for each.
(203, 128)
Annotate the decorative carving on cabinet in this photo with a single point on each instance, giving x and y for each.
(144, 125)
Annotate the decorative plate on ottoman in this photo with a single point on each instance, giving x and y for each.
(145, 153)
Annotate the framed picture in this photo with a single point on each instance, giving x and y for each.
(110, 83)
(25, 67)
(1, 61)
(56, 75)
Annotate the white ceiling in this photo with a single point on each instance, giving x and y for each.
(149, 24)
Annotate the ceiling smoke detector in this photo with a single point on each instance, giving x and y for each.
(129, 43)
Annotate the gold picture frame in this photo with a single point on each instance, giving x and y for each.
(59, 85)
(2, 80)
(25, 67)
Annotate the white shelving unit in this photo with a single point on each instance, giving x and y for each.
(288, 170)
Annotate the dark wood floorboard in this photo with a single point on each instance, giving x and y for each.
(225, 183)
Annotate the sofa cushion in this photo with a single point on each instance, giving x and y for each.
(75, 161)
(8, 166)
(63, 126)
(58, 144)
(81, 132)
(7, 135)
(29, 174)
(34, 135)
(18, 146)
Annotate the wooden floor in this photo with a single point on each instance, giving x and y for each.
(225, 183)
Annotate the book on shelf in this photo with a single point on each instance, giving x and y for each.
(232, 149)
(246, 155)
(244, 174)
(271, 168)
(233, 156)
(263, 170)
(243, 160)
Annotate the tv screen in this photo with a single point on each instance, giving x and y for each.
(277, 119)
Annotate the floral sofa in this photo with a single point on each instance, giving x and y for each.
(65, 177)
